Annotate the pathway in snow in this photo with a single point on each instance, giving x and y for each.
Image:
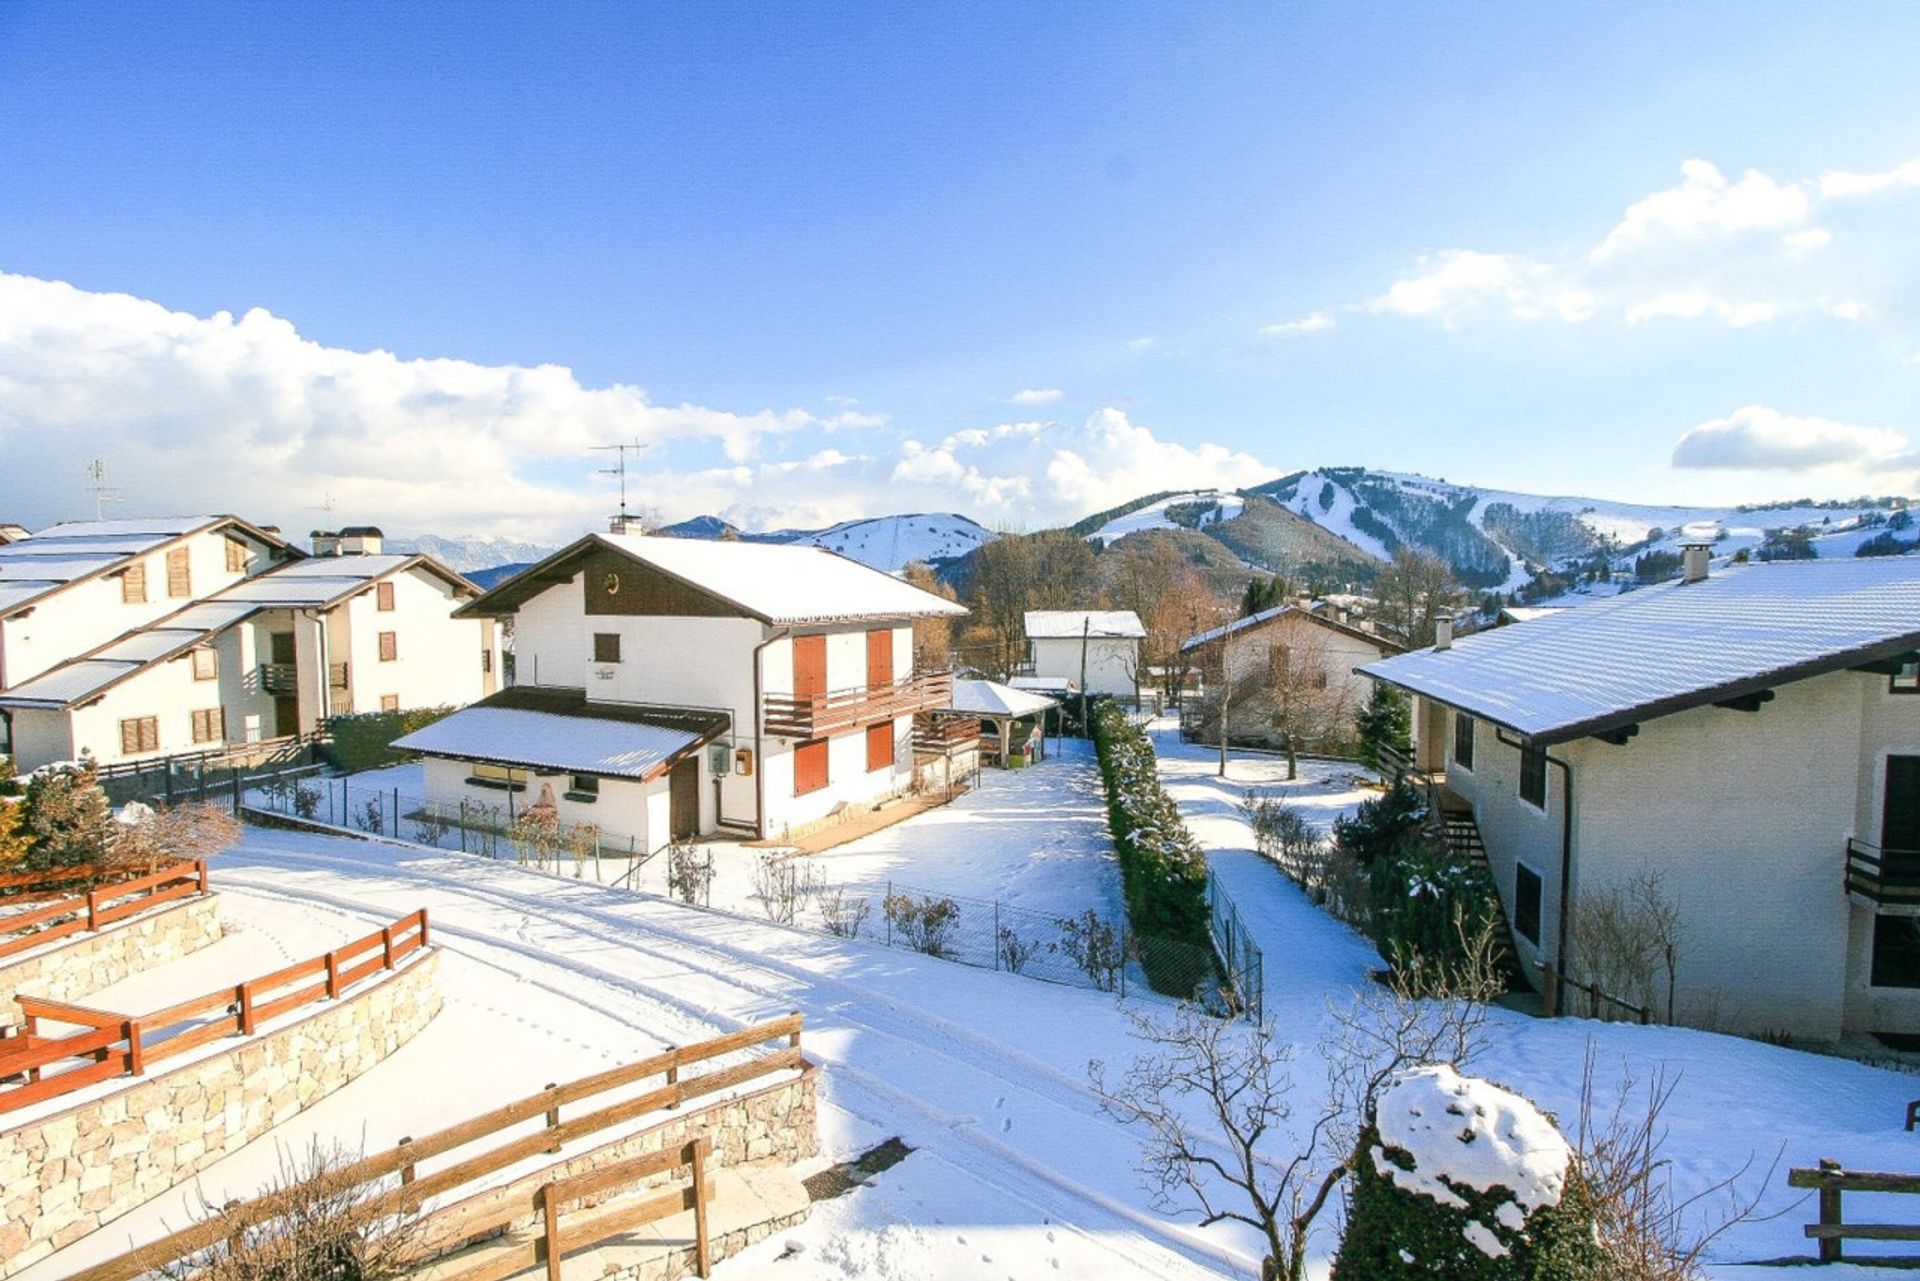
(1737, 1103)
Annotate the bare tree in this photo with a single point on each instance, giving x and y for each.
(1016, 573)
(1414, 592)
(933, 636)
(184, 832)
(1304, 703)
(1626, 938)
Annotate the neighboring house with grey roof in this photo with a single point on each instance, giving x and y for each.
(1297, 644)
(251, 642)
(1750, 737)
(1098, 649)
(666, 687)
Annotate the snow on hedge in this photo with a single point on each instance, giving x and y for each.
(1467, 1133)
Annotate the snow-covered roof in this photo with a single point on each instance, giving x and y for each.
(75, 550)
(1071, 624)
(1265, 616)
(778, 583)
(1663, 649)
(1045, 684)
(991, 698)
(560, 732)
(1527, 613)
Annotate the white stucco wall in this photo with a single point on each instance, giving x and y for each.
(438, 661)
(629, 814)
(1110, 665)
(550, 640)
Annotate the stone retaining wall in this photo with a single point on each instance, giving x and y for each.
(66, 1175)
(90, 962)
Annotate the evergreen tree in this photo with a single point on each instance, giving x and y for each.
(14, 842)
(1386, 721)
(67, 816)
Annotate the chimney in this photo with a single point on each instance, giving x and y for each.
(1443, 632)
(325, 542)
(626, 524)
(1694, 559)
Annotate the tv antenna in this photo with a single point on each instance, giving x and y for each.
(620, 469)
(97, 485)
(326, 504)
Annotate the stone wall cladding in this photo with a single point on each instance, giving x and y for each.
(91, 962)
(776, 1124)
(66, 1175)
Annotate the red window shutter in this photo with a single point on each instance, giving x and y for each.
(809, 666)
(383, 597)
(810, 767)
(880, 746)
(880, 657)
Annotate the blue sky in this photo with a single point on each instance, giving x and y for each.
(813, 253)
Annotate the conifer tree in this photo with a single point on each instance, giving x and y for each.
(67, 816)
(14, 842)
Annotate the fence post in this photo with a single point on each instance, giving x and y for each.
(423, 927)
(236, 793)
(1829, 1212)
(406, 1171)
(93, 910)
(886, 914)
(996, 934)
(673, 1076)
(136, 1056)
(396, 812)
(550, 1232)
(702, 1259)
(333, 977)
(246, 1008)
(200, 870)
(553, 1118)
(386, 947)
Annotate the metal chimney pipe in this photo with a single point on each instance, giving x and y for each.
(1443, 632)
(1694, 560)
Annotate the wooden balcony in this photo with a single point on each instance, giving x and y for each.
(284, 678)
(786, 716)
(935, 734)
(1888, 879)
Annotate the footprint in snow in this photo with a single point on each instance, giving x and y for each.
(1006, 1126)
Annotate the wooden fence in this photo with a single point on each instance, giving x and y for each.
(481, 1215)
(99, 907)
(34, 1067)
(1831, 1181)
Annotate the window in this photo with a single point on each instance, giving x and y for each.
(180, 572)
(1896, 951)
(206, 663)
(389, 702)
(1907, 679)
(389, 646)
(133, 585)
(1463, 740)
(383, 598)
(139, 734)
(587, 784)
(606, 647)
(810, 767)
(1526, 903)
(1533, 775)
(236, 556)
(210, 726)
(880, 746)
(498, 778)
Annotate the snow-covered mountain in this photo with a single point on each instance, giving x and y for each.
(891, 543)
(469, 554)
(1195, 509)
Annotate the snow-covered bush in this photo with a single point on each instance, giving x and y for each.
(1460, 1179)
(1421, 900)
(66, 816)
(923, 924)
(1094, 946)
(1162, 869)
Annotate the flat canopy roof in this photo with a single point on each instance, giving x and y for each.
(560, 732)
(1660, 650)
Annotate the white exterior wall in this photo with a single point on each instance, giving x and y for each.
(848, 780)
(438, 656)
(165, 691)
(627, 812)
(1889, 726)
(1111, 663)
(87, 615)
(1745, 817)
(550, 643)
(41, 738)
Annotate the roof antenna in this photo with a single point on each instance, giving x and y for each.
(97, 485)
(621, 522)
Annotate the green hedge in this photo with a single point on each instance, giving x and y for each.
(1422, 901)
(364, 740)
(1162, 869)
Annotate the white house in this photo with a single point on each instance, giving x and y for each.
(1312, 650)
(1752, 737)
(1097, 650)
(667, 687)
(256, 657)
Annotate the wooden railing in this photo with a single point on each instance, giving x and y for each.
(555, 1235)
(937, 733)
(61, 882)
(99, 907)
(1888, 878)
(485, 1213)
(1394, 763)
(788, 716)
(34, 1067)
(1831, 1181)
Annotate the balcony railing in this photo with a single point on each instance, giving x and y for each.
(937, 735)
(284, 678)
(1886, 878)
(787, 716)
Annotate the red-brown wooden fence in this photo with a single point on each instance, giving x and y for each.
(99, 907)
(35, 1067)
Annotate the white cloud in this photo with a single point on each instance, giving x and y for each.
(1839, 184)
(1312, 324)
(1740, 252)
(243, 414)
(1139, 344)
(1035, 396)
(1758, 438)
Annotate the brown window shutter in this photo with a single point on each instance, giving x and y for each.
(810, 767)
(383, 597)
(389, 702)
(133, 585)
(180, 572)
(809, 666)
(389, 646)
(880, 746)
(129, 737)
(236, 556)
(880, 657)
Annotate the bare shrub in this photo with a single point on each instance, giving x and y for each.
(373, 816)
(1645, 1231)
(536, 835)
(306, 800)
(1626, 941)
(184, 832)
(313, 1223)
(690, 873)
(923, 924)
(430, 827)
(1013, 951)
(583, 842)
(785, 886)
(1093, 944)
(842, 912)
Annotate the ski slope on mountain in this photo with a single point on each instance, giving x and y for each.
(1226, 505)
(891, 543)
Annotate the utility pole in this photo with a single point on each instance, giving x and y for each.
(1086, 631)
(620, 469)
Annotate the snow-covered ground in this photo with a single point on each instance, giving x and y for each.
(1737, 1105)
(891, 543)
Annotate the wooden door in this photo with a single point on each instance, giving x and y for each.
(286, 716)
(809, 666)
(683, 799)
(880, 658)
(281, 649)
